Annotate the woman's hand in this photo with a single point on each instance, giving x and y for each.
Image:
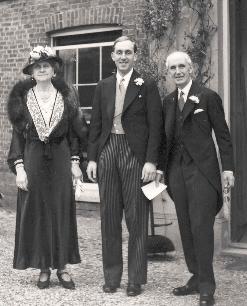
(21, 178)
(76, 172)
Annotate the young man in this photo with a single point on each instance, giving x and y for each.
(124, 140)
(192, 172)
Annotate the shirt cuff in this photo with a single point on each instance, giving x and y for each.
(18, 161)
(228, 171)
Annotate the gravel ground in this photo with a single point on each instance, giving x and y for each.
(19, 287)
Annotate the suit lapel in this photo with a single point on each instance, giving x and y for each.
(190, 105)
(110, 96)
(132, 91)
(188, 108)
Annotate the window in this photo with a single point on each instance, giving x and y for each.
(87, 59)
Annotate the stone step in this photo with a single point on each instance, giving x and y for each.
(234, 251)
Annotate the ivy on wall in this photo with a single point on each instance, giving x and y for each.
(161, 22)
(159, 16)
(197, 42)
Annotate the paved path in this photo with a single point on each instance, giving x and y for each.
(19, 287)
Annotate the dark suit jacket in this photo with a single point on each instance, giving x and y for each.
(141, 118)
(197, 133)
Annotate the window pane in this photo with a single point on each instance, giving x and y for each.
(86, 95)
(69, 65)
(88, 65)
(87, 38)
(108, 66)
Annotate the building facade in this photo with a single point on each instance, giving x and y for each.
(83, 31)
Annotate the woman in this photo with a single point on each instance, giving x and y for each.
(44, 155)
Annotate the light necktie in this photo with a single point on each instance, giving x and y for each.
(121, 86)
(119, 102)
(181, 101)
(121, 96)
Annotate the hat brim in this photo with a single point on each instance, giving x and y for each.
(28, 66)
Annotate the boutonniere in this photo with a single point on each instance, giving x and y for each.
(139, 81)
(195, 99)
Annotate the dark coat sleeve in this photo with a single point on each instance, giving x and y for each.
(154, 117)
(95, 125)
(78, 130)
(221, 130)
(162, 161)
(16, 109)
(16, 150)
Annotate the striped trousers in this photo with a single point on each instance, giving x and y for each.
(119, 178)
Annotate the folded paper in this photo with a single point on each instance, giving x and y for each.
(151, 190)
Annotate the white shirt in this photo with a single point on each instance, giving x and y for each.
(126, 78)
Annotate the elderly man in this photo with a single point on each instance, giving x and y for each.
(124, 140)
(192, 172)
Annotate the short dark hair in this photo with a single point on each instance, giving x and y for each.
(124, 38)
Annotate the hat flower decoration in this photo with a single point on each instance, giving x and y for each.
(42, 52)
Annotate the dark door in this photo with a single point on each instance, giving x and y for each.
(238, 69)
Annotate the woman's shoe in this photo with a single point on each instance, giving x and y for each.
(44, 284)
(66, 284)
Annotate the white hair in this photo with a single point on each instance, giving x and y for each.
(178, 53)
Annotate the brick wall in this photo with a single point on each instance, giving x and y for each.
(25, 23)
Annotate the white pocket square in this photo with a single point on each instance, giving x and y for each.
(198, 110)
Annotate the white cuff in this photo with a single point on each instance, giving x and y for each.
(228, 171)
(18, 161)
(159, 172)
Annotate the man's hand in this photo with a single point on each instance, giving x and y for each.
(148, 172)
(92, 171)
(21, 178)
(228, 179)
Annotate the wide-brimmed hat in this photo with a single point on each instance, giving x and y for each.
(39, 54)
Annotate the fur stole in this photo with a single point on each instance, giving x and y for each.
(17, 108)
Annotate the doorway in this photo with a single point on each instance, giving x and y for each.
(238, 115)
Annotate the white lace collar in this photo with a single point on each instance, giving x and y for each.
(44, 130)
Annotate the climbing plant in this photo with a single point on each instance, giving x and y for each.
(159, 16)
(162, 21)
(197, 41)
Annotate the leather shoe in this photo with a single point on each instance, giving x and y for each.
(44, 284)
(133, 289)
(206, 300)
(110, 288)
(185, 290)
(66, 284)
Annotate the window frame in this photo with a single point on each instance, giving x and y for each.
(84, 46)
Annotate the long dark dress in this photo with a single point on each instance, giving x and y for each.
(46, 230)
